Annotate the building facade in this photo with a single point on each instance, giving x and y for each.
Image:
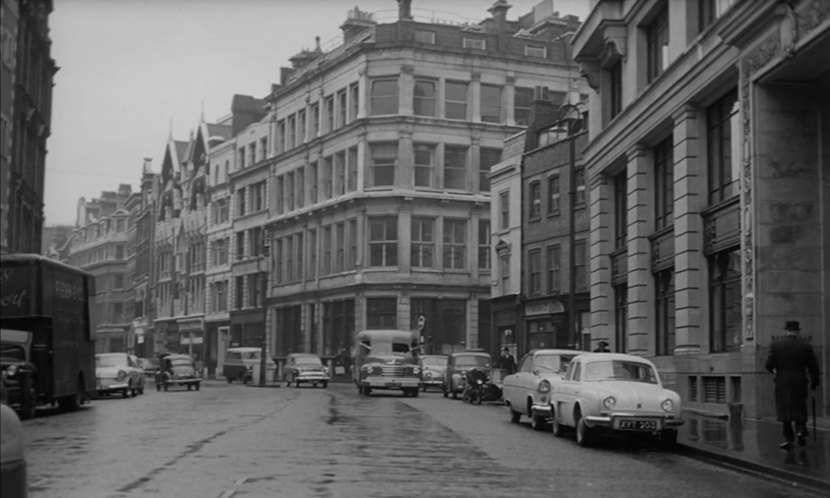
(26, 77)
(506, 242)
(142, 209)
(707, 169)
(100, 245)
(380, 213)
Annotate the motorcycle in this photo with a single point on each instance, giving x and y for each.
(480, 388)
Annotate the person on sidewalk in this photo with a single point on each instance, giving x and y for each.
(602, 347)
(507, 362)
(790, 359)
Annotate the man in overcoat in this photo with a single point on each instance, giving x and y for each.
(790, 360)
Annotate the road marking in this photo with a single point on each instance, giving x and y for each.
(228, 493)
(240, 482)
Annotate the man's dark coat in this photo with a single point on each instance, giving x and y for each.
(790, 359)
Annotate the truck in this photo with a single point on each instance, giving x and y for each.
(47, 332)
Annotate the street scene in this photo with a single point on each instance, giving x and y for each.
(229, 440)
(415, 248)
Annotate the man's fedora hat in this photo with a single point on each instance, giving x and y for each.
(792, 325)
(602, 343)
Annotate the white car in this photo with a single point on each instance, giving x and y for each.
(527, 392)
(616, 393)
(118, 372)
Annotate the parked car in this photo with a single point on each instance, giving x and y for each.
(18, 373)
(305, 368)
(177, 370)
(616, 393)
(240, 364)
(527, 392)
(433, 369)
(118, 372)
(12, 456)
(457, 367)
(149, 366)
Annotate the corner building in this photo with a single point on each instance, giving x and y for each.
(708, 175)
(379, 211)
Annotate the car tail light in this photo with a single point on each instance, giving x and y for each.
(121, 375)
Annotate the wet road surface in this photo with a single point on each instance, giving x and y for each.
(232, 441)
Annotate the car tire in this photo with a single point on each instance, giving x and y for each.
(415, 393)
(126, 392)
(166, 387)
(583, 432)
(325, 384)
(424, 388)
(478, 398)
(230, 380)
(454, 394)
(28, 399)
(158, 385)
(446, 394)
(197, 385)
(668, 439)
(367, 390)
(296, 383)
(189, 387)
(515, 416)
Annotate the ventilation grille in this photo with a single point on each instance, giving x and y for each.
(714, 389)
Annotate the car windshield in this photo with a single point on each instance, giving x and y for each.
(181, 362)
(309, 361)
(13, 351)
(553, 363)
(472, 361)
(620, 370)
(110, 361)
(440, 362)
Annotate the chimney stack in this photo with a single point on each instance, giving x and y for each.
(499, 13)
(405, 9)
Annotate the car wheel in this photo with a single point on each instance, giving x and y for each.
(230, 379)
(166, 387)
(668, 439)
(478, 398)
(126, 392)
(424, 388)
(454, 394)
(515, 416)
(583, 432)
(445, 392)
(28, 399)
(415, 393)
(296, 383)
(367, 390)
(197, 385)
(158, 385)
(325, 384)
(189, 387)
(314, 384)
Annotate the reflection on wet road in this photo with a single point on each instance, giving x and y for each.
(230, 440)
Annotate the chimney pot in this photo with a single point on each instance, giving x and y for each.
(404, 9)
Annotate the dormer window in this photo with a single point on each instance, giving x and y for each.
(477, 43)
(535, 51)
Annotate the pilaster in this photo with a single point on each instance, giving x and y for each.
(640, 223)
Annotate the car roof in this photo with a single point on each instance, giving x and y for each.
(176, 356)
(471, 353)
(555, 351)
(111, 354)
(613, 356)
(245, 349)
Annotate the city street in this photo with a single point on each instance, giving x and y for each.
(232, 440)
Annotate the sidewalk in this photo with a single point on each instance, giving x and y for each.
(753, 445)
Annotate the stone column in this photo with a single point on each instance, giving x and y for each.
(475, 161)
(364, 92)
(688, 229)
(602, 292)
(406, 90)
(362, 159)
(640, 281)
(509, 100)
(404, 238)
(475, 97)
(404, 174)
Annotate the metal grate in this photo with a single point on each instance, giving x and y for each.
(714, 389)
(393, 371)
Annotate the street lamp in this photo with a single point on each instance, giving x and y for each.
(569, 122)
(263, 253)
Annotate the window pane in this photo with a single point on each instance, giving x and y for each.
(490, 104)
(384, 97)
(456, 100)
(424, 98)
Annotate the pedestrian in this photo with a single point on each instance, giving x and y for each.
(507, 362)
(602, 347)
(790, 359)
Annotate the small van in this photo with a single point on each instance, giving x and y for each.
(239, 364)
(387, 359)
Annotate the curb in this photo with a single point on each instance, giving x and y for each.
(781, 476)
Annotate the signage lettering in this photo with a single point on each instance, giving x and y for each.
(14, 299)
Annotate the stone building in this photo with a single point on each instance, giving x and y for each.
(141, 237)
(26, 80)
(99, 245)
(708, 177)
(379, 206)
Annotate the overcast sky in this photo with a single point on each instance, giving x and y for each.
(133, 70)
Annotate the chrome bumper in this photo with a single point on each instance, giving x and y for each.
(608, 420)
(392, 382)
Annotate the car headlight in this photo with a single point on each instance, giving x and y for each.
(416, 370)
(667, 405)
(429, 375)
(609, 403)
(544, 386)
(11, 370)
(121, 375)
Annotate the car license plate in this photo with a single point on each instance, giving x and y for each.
(393, 385)
(637, 425)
